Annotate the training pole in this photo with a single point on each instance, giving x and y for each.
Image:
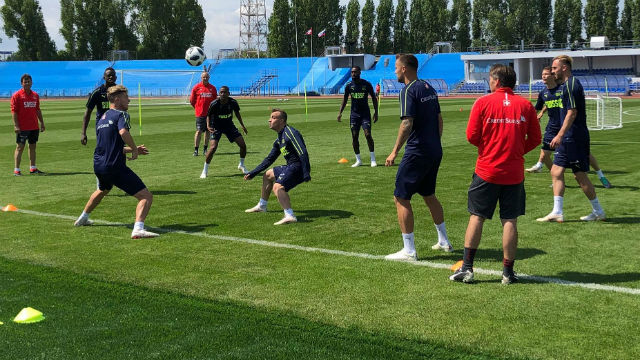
(140, 109)
(306, 108)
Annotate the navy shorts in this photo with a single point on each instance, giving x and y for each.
(201, 123)
(124, 179)
(231, 132)
(360, 122)
(573, 155)
(484, 196)
(416, 174)
(28, 135)
(546, 141)
(289, 176)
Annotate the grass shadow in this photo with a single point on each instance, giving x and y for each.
(484, 254)
(599, 278)
(624, 220)
(190, 227)
(66, 173)
(308, 215)
(159, 193)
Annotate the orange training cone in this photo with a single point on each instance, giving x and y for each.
(343, 161)
(456, 266)
(9, 207)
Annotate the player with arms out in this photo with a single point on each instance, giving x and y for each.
(550, 101)
(360, 90)
(113, 141)
(220, 121)
(201, 97)
(282, 179)
(25, 112)
(98, 99)
(504, 127)
(572, 144)
(421, 129)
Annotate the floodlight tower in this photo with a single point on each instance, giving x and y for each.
(253, 26)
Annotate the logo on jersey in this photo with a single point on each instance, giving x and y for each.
(29, 104)
(358, 95)
(506, 102)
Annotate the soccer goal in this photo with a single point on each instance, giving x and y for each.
(603, 112)
(158, 87)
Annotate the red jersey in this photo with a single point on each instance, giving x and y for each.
(201, 97)
(504, 127)
(26, 106)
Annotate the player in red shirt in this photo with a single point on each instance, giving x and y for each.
(25, 111)
(504, 127)
(201, 97)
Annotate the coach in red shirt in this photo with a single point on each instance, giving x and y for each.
(25, 111)
(201, 97)
(504, 127)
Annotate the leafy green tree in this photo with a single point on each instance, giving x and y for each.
(436, 22)
(626, 20)
(611, 19)
(368, 21)
(317, 15)
(279, 37)
(384, 44)
(353, 26)
(560, 21)
(635, 14)
(542, 26)
(23, 20)
(400, 28)
(167, 27)
(460, 21)
(416, 27)
(594, 17)
(68, 31)
(575, 20)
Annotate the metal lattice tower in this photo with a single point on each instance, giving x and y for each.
(253, 27)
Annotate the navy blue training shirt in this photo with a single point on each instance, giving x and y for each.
(291, 144)
(573, 98)
(109, 154)
(221, 115)
(419, 101)
(359, 92)
(98, 99)
(552, 99)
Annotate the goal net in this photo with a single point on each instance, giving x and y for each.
(603, 112)
(158, 87)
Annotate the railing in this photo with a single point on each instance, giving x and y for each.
(584, 45)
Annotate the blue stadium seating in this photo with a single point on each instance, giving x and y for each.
(475, 87)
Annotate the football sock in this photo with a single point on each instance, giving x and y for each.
(595, 204)
(84, 215)
(600, 173)
(288, 212)
(467, 260)
(358, 157)
(262, 202)
(139, 225)
(33, 167)
(204, 149)
(242, 161)
(195, 148)
(557, 204)
(16, 169)
(206, 167)
(507, 266)
(538, 164)
(409, 245)
(373, 156)
(443, 239)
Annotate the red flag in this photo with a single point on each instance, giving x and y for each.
(309, 32)
(322, 33)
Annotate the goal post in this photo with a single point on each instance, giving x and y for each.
(158, 87)
(603, 112)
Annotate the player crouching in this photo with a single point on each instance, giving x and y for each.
(109, 162)
(281, 179)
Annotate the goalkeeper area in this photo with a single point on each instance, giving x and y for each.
(604, 112)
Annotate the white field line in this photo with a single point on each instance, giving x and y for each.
(591, 286)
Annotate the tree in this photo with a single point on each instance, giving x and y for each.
(594, 18)
(68, 31)
(543, 23)
(575, 20)
(167, 27)
(400, 28)
(560, 23)
(635, 25)
(611, 19)
(325, 15)
(279, 37)
(353, 26)
(384, 44)
(436, 22)
(416, 27)
(626, 20)
(368, 20)
(460, 23)
(23, 20)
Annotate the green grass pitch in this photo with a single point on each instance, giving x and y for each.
(223, 284)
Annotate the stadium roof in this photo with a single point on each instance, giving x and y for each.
(551, 54)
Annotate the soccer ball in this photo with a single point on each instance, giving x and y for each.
(195, 56)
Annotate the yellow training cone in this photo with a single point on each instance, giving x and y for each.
(28, 315)
(456, 266)
(343, 161)
(9, 207)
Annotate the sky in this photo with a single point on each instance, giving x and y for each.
(223, 24)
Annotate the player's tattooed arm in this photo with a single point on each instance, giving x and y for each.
(403, 134)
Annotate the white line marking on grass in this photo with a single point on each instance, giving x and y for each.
(591, 286)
